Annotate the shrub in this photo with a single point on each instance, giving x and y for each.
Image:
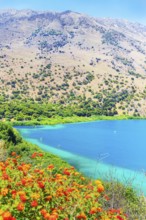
(38, 192)
(8, 134)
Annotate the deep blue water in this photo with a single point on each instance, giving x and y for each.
(121, 144)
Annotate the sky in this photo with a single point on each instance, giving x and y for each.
(132, 10)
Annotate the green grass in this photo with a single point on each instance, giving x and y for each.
(72, 119)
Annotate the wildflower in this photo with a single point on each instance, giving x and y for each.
(35, 196)
(23, 181)
(114, 211)
(14, 161)
(66, 172)
(34, 155)
(20, 168)
(36, 170)
(98, 182)
(20, 193)
(120, 218)
(48, 198)
(99, 209)
(41, 171)
(43, 212)
(5, 176)
(13, 192)
(20, 206)
(93, 210)
(82, 178)
(81, 216)
(41, 184)
(7, 216)
(100, 188)
(34, 203)
(58, 176)
(88, 196)
(13, 153)
(2, 166)
(76, 173)
(4, 191)
(52, 217)
(23, 198)
(50, 167)
(47, 216)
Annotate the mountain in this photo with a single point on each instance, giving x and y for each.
(70, 57)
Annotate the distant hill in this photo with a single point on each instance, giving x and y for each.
(70, 57)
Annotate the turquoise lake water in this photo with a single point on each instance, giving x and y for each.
(106, 149)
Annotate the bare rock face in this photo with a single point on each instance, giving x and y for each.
(50, 55)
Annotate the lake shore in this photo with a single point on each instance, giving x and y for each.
(72, 119)
(94, 164)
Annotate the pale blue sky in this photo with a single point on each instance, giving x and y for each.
(133, 10)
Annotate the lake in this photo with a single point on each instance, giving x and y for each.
(107, 149)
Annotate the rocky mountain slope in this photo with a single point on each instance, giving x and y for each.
(70, 57)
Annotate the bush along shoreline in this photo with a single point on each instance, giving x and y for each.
(65, 120)
(38, 185)
(40, 113)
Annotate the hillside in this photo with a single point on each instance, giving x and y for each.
(72, 58)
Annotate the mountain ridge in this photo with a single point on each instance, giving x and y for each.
(67, 56)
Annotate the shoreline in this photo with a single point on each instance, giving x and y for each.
(72, 119)
(95, 169)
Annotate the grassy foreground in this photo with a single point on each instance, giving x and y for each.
(36, 185)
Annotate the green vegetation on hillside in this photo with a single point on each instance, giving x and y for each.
(61, 65)
(27, 110)
(34, 113)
